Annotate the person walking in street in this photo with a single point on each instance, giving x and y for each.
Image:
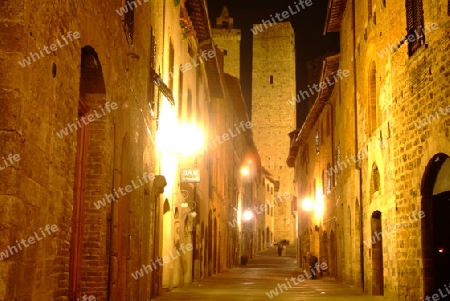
(280, 248)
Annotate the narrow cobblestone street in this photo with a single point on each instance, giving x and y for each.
(259, 276)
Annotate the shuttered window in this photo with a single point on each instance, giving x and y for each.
(372, 118)
(171, 64)
(153, 77)
(128, 25)
(415, 24)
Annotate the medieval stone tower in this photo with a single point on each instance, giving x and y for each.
(228, 40)
(273, 117)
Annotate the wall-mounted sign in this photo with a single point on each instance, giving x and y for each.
(190, 175)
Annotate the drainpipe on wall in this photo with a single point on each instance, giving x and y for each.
(357, 166)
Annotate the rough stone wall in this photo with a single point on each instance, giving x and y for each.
(39, 189)
(348, 183)
(229, 40)
(408, 89)
(419, 88)
(272, 116)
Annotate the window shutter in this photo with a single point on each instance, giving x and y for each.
(409, 15)
(418, 9)
(414, 24)
(128, 25)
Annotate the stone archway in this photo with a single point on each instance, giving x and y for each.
(333, 254)
(435, 190)
(377, 254)
(92, 102)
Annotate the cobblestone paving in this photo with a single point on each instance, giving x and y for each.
(261, 275)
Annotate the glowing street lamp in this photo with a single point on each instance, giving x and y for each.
(184, 139)
(307, 205)
(245, 171)
(248, 215)
(191, 139)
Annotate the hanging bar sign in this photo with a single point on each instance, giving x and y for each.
(190, 175)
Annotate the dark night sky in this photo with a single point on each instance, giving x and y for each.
(308, 26)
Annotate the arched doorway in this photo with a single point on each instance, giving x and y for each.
(210, 243)
(435, 189)
(206, 252)
(325, 252)
(333, 254)
(92, 96)
(263, 240)
(202, 255)
(215, 249)
(377, 254)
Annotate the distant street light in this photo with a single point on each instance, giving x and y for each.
(245, 171)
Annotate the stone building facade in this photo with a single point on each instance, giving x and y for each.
(273, 84)
(385, 165)
(228, 40)
(101, 104)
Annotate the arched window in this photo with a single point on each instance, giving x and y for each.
(128, 22)
(338, 160)
(372, 118)
(328, 178)
(375, 179)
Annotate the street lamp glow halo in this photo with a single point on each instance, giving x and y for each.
(245, 171)
(184, 139)
(248, 215)
(307, 204)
